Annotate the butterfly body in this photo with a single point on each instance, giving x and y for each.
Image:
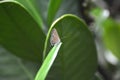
(54, 39)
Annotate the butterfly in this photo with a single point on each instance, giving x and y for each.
(54, 39)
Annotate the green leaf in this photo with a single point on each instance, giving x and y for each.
(111, 36)
(13, 68)
(77, 59)
(32, 8)
(41, 75)
(69, 6)
(52, 10)
(19, 33)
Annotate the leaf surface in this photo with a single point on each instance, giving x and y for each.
(53, 7)
(19, 33)
(111, 36)
(42, 73)
(13, 68)
(32, 8)
(77, 59)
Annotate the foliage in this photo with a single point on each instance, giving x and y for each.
(25, 34)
